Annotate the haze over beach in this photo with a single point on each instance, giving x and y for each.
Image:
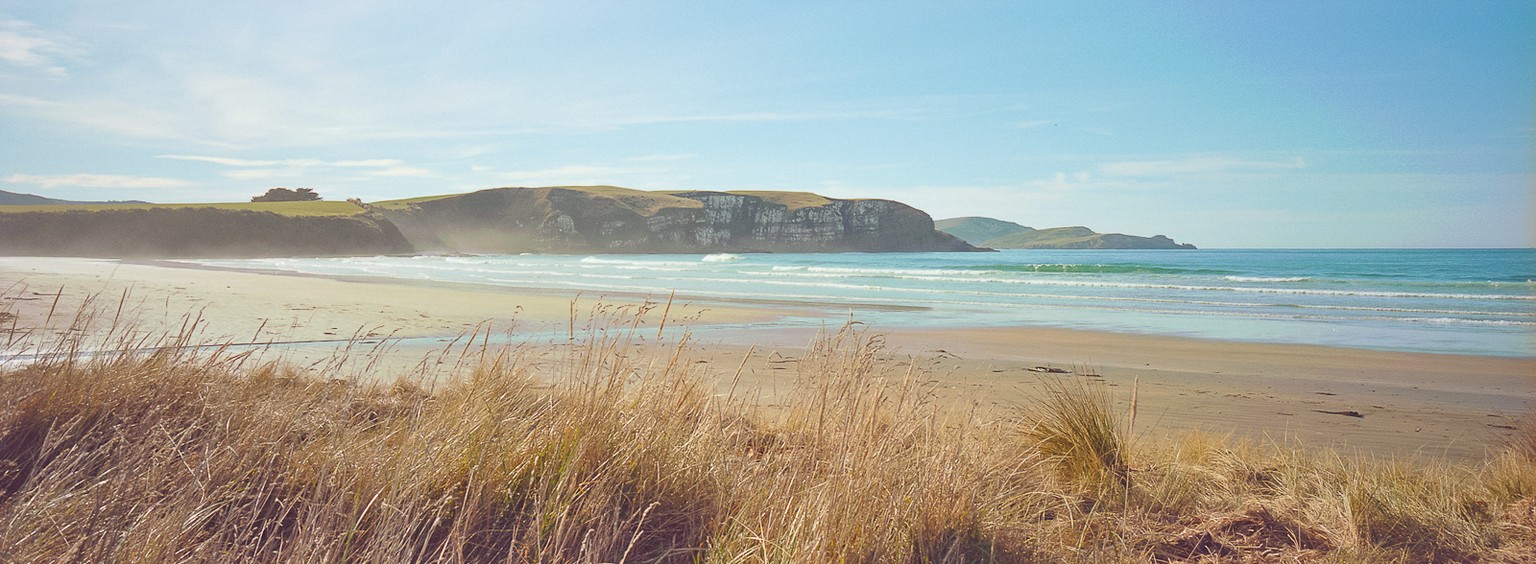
(788, 282)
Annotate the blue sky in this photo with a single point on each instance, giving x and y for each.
(1225, 124)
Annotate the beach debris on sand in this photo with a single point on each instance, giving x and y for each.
(1346, 413)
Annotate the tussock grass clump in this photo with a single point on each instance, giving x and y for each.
(1421, 516)
(1080, 434)
(609, 450)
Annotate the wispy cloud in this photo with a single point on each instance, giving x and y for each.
(389, 163)
(582, 174)
(662, 158)
(25, 101)
(23, 44)
(253, 169)
(771, 116)
(230, 161)
(96, 181)
(401, 171)
(1031, 124)
(565, 174)
(263, 173)
(1197, 165)
(1152, 174)
(209, 109)
(1062, 181)
(111, 116)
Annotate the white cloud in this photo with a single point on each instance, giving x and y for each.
(251, 169)
(22, 44)
(895, 114)
(577, 175)
(25, 101)
(1061, 181)
(662, 158)
(184, 101)
(258, 110)
(1082, 180)
(397, 171)
(260, 173)
(109, 115)
(367, 163)
(564, 173)
(226, 161)
(1197, 165)
(97, 181)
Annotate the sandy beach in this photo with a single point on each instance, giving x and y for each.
(257, 307)
(1379, 403)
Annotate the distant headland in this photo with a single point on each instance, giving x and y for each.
(999, 234)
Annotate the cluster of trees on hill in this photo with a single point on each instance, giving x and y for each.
(286, 195)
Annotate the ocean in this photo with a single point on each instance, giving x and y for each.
(1480, 302)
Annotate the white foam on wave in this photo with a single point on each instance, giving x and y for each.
(881, 272)
(1460, 321)
(921, 275)
(467, 260)
(1266, 278)
(597, 260)
(721, 257)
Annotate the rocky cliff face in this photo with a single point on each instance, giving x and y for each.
(609, 219)
(194, 232)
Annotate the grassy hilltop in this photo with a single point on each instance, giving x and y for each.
(200, 230)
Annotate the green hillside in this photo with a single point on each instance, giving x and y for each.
(974, 230)
(18, 199)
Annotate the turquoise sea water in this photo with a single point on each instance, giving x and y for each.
(1448, 301)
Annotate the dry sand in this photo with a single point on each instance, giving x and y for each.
(251, 306)
(1407, 404)
(314, 321)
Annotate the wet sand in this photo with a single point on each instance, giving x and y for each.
(1380, 403)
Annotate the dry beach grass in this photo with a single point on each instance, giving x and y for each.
(611, 447)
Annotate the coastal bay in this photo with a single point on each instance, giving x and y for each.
(1404, 404)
